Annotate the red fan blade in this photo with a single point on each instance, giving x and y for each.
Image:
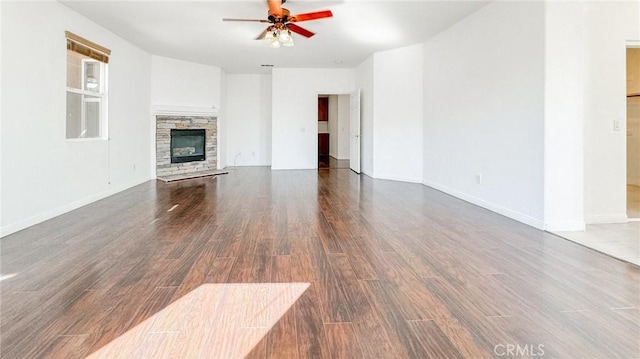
(311, 16)
(252, 20)
(299, 30)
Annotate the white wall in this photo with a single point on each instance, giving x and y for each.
(181, 83)
(333, 126)
(484, 109)
(295, 118)
(43, 174)
(343, 127)
(248, 120)
(222, 121)
(364, 82)
(608, 26)
(397, 114)
(564, 114)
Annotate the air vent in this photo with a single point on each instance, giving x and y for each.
(266, 65)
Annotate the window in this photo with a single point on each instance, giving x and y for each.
(86, 88)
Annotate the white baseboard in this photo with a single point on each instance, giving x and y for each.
(606, 218)
(39, 218)
(564, 226)
(398, 178)
(290, 169)
(520, 217)
(249, 165)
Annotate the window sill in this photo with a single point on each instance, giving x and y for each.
(96, 139)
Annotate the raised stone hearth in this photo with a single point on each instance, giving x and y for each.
(187, 176)
(164, 125)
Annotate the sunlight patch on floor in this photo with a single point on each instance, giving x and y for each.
(213, 320)
(7, 276)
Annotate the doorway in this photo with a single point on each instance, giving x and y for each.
(633, 134)
(622, 240)
(333, 131)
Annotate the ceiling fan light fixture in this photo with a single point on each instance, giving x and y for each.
(274, 44)
(289, 42)
(269, 37)
(284, 35)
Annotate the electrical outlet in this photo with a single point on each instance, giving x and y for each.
(478, 178)
(134, 168)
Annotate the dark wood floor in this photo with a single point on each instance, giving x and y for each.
(396, 270)
(328, 162)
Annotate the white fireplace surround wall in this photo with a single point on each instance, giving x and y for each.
(177, 117)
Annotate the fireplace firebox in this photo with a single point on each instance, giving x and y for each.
(188, 145)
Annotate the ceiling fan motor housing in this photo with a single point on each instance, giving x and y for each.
(282, 16)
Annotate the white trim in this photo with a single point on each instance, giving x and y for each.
(165, 110)
(286, 168)
(100, 97)
(86, 139)
(606, 218)
(85, 92)
(520, 217)
(39, 218)
(397, 178)
(564, 226)
(154, 149)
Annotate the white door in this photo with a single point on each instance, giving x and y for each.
(354, 131)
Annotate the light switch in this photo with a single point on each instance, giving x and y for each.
(617, 125)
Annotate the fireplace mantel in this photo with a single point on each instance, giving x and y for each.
(168, 110)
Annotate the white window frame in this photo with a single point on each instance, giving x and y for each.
(100, 96)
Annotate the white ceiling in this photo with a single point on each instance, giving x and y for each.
(194, 30)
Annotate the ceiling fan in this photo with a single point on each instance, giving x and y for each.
(283, 23)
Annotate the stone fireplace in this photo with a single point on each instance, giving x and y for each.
(186, 157)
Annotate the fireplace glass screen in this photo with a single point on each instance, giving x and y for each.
(187, 145)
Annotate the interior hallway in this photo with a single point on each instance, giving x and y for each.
(329, 162)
